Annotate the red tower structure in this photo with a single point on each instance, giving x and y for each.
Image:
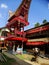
(17, 22)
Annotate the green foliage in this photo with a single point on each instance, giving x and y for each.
(37, 24)
(45, 21)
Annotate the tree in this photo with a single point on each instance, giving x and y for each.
(45, 21)
(37, 24)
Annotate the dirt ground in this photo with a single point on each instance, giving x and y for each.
(44, 64)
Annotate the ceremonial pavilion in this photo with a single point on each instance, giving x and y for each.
(14, 33)
(38, 37)
(16, 23)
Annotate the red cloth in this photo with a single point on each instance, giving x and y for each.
(17, 38)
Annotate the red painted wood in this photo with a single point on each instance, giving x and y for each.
(18, 19)
(36, 43)
(39, 29)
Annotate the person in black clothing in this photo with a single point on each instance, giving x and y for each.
(35, 53)
(0, 50)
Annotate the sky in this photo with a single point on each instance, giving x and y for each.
(39, 10)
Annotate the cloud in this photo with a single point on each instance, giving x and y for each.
(0, 15)
(48, 5)
(4, 5)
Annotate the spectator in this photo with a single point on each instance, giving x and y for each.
(0, 50)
